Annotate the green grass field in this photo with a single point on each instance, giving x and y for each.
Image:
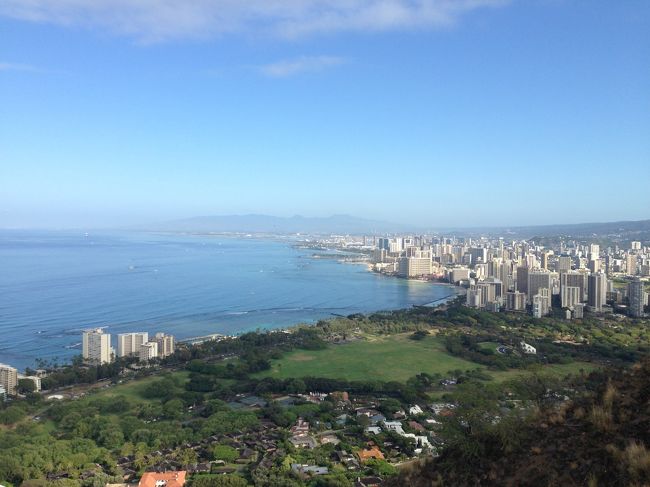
(133, 389)
(560, 370)
(392, 358)
(395, 357)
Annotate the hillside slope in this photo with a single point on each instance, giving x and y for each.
(599, 440)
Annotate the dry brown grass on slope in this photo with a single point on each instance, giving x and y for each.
(600, 440)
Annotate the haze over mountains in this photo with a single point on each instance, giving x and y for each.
(253, 223)
(346, 224)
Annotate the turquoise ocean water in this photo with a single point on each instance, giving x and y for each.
(54, 284)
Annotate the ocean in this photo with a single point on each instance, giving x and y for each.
(54, 284)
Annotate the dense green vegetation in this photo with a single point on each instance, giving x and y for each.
(598, 438)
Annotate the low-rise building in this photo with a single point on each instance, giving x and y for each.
(528, 348)
(372, 451)
(163, 479)
(395, 426)
(35, 379)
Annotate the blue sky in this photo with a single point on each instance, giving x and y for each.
(440, 112)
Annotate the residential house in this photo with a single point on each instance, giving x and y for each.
(329, 439)
(377, 418)
(414, 410)
(301, 427)
(163, 479)
(395, 426)
(303, 441)
(370, 452)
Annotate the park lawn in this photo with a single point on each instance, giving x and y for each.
(390, 358)
(560, 370)
(133, 389)
(385, 358)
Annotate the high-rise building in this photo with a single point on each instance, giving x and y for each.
(473, 297)
(418, 263)
(538, 279)
(490, 291)
(128, 344)
(515, 301)
(541, 302)
(597, 291)
(166, 344)
(458, 274)
(395, 246)
(631, 264)
(494, 268)
(96, 346)
(563, 263)
(148, 351)
(479, 254)
(574, 279)
(544, 260)
(8, 379)
(570, 296)
(636, 295)
(635, 245)
(594, 266)
(578, 311)
(384, 243)
(522, 279)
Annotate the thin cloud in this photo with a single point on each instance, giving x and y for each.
(163, 20)
(18, 67)
(304, 64)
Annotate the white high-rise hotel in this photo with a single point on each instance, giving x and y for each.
(128, 344)
(8, 379)
(96, 346)
(148, 351)
(165, 343)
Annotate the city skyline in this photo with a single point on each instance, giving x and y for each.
(393, 111)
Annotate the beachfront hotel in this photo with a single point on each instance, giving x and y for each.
(8, 379)
(128, 344)
(96, 346)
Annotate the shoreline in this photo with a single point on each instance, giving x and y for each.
(62, 352)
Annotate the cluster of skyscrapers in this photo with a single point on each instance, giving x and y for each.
(520, 275)
(97, 349)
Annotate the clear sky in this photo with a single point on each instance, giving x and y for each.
(440, 112)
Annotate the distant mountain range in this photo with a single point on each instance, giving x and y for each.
(336, 224)
(639, 229)
(350, 225)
